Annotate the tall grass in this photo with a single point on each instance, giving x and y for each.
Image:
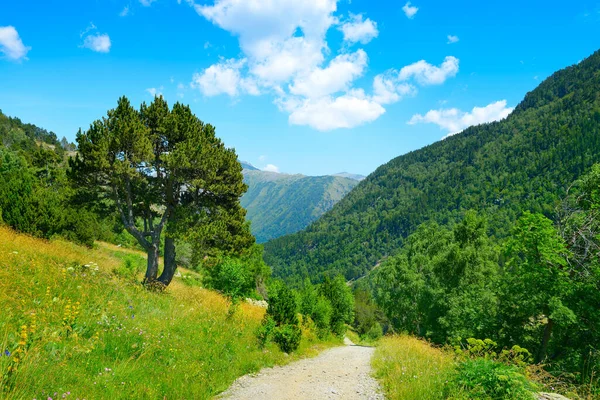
(411, 369)
(75, 323)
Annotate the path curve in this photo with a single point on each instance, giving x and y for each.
(339, 373)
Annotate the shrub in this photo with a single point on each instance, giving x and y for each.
(265, 331)
(281, 319)
(231, 278)
(487, 379)
(282, 305)
(287, 337)
(375, 332)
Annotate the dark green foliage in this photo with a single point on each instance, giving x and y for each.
(537, 283)
(280, 204)
(489, 380)
(34, 192)
(321, 316)
(317, 307)
(366, 319)
(443, 282)
(375, 332)
(241, 276)
(281, 321)
(499, 169)
(265, 331)
(231, 277)
(169, 177)
(287, 337)
(282, 305)
(342, 303)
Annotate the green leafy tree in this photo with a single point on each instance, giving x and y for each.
(314, 305)
(283, 311)
(165, 172)
(442, 284)
(365, 312)
(537, 281)
(342, 303)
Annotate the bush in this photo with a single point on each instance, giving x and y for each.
(265, 330)
(375, 332)
(231, 278)
(287, 337)
(282, 305)
(281, 321)
(486, 379)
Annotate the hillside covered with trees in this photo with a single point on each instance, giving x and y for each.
(280, 204)
(523, 163)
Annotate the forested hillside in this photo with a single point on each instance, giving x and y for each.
(34, 191)
(501, 169)
(280, 204)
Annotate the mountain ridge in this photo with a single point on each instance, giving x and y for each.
(502, 167)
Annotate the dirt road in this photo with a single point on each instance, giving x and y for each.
(338, 373)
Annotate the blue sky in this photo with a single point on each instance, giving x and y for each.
(312, 86)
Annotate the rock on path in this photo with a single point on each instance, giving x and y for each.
(338, 373)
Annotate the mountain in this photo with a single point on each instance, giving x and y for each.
(249, 167)
(348, 175)
(524, 162)
(280, 204)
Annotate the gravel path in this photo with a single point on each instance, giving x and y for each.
(338, 373)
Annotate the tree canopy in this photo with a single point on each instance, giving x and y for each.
(164, 171)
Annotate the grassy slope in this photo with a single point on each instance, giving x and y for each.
(409, 368)
(100, 335)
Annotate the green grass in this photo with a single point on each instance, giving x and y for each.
(410, 368)
(86, 333)
(357, 339)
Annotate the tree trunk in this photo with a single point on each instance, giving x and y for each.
(169, 262)
(152, 266)
(545, 340)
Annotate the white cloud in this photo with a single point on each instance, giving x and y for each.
(262, 158)
(219, 78)
(147, 3)
(11, 44)
(124, 12)
(338, 75)
(155, 91)
(409, 10)
(224, 78)
(427, 74)
(328, 113)
(387, 88)
(357, 30)
(268, 33)
(391, 86)
(452, 39)
(454, 121)
(97, 42)
(284, 53)
(271, 168)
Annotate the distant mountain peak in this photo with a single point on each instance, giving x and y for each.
(247, 166)
(356, 177)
